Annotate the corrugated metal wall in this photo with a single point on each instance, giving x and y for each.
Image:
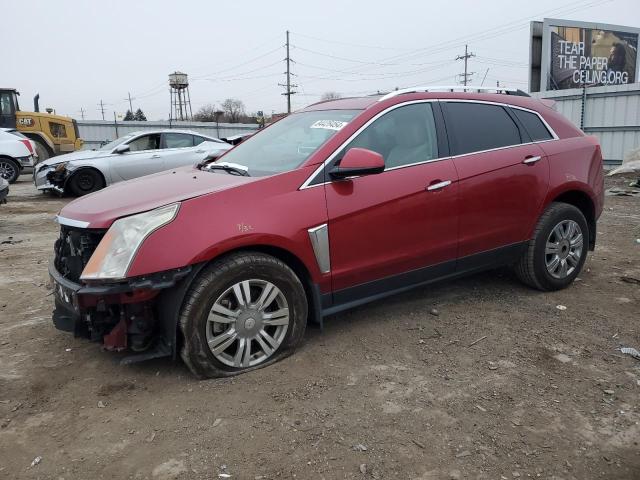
(96, 132)
(611, 113)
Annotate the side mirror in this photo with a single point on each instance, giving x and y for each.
(358, 161)
(121, 149)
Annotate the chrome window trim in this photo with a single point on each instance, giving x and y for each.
(319, 237)
(311, 177)
(69, 222)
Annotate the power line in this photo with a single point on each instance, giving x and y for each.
(376, 47)
(238, 65)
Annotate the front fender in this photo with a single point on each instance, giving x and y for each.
(251, 216)
(71, 170)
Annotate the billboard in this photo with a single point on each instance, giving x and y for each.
(580, 54)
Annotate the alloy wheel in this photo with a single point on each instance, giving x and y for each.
(563, 250)
(7, 170)
(247, 323)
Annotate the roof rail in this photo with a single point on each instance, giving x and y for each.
(455, 88)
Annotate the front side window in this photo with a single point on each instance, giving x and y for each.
(289, 142)
(404, 136)
(6, 103)
(145, 142)
(178, 140)
(476, 127)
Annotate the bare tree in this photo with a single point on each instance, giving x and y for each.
(207, 113)
(233, 109)
(330, 96)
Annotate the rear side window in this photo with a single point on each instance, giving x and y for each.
(533, 125)
(475, 127)
(178, 140)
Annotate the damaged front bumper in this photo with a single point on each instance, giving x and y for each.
(48, 178)
(138, 315)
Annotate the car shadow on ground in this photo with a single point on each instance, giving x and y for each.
(420, 301)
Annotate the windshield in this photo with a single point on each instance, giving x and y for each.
(111, 145)
(289, 142)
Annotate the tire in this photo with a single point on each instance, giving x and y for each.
(561, 229)
(42, 151)
(231, 327)
(84, 181)
(9, 169)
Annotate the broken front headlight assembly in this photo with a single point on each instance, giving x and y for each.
(115, 252)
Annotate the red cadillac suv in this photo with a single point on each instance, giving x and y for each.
(341, 203)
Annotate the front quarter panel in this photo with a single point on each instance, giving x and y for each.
(270, 212)
(100, 164)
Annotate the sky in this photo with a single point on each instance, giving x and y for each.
(78, 53)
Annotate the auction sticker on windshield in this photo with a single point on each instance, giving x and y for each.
(329, 124)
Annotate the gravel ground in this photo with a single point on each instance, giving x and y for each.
(499, 384)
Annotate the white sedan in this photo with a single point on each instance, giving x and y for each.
(16, 154)
(128, 157)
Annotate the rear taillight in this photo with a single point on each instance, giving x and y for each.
(28, 145)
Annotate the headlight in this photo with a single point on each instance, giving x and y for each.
(116, 250)
(61, 166)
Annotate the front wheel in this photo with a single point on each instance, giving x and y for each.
(557, 252)
(243, 312)
(84, 181)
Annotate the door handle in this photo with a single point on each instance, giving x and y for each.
(532, 160)
(155, 156)
(199, 151)
(438, 186)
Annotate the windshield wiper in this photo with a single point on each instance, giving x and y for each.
(232, 168)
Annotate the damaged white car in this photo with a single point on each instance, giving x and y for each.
(131, 156)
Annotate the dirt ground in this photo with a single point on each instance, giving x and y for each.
(501, 384)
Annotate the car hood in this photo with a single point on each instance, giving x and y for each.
(79, 155)
(101, 209)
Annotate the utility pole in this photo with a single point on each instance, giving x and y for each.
(102, 109)
(467, 55)
(82, 112)
(130, 104)
(288, 85)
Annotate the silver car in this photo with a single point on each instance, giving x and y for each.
(134, 155)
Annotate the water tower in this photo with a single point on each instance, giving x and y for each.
(180, 98)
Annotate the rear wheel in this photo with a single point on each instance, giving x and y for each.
(557, 252)
(243, 312)
(9, 169)
(84, 181)
(42, 151)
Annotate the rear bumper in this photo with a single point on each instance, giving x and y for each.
(26, 162)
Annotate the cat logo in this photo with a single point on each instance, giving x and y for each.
(26, 122)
